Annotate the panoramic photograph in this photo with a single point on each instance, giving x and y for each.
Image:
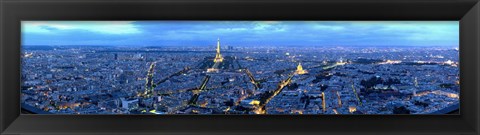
(240, 67)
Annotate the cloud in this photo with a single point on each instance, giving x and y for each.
(268, 26)
(328, 27)
(243, 33)
(101, 27)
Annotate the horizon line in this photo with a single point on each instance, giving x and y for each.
(257, 45)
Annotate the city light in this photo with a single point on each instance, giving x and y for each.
(235, 75)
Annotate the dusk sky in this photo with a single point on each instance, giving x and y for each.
(242, 33)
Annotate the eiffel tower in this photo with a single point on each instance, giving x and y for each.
(218, 56)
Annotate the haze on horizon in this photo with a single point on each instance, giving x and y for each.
(242, 33)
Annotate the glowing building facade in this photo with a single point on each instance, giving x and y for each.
(300, 70)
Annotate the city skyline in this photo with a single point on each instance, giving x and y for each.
(240, 67)
(242, 33)
(117, 80)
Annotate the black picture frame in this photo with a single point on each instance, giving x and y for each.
(14, 11)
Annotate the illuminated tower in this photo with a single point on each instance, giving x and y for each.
(218, 56)
(300, 69)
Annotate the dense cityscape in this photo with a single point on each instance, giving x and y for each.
(224, 79)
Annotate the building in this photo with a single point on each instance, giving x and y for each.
(129, 104)
(300, 70)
